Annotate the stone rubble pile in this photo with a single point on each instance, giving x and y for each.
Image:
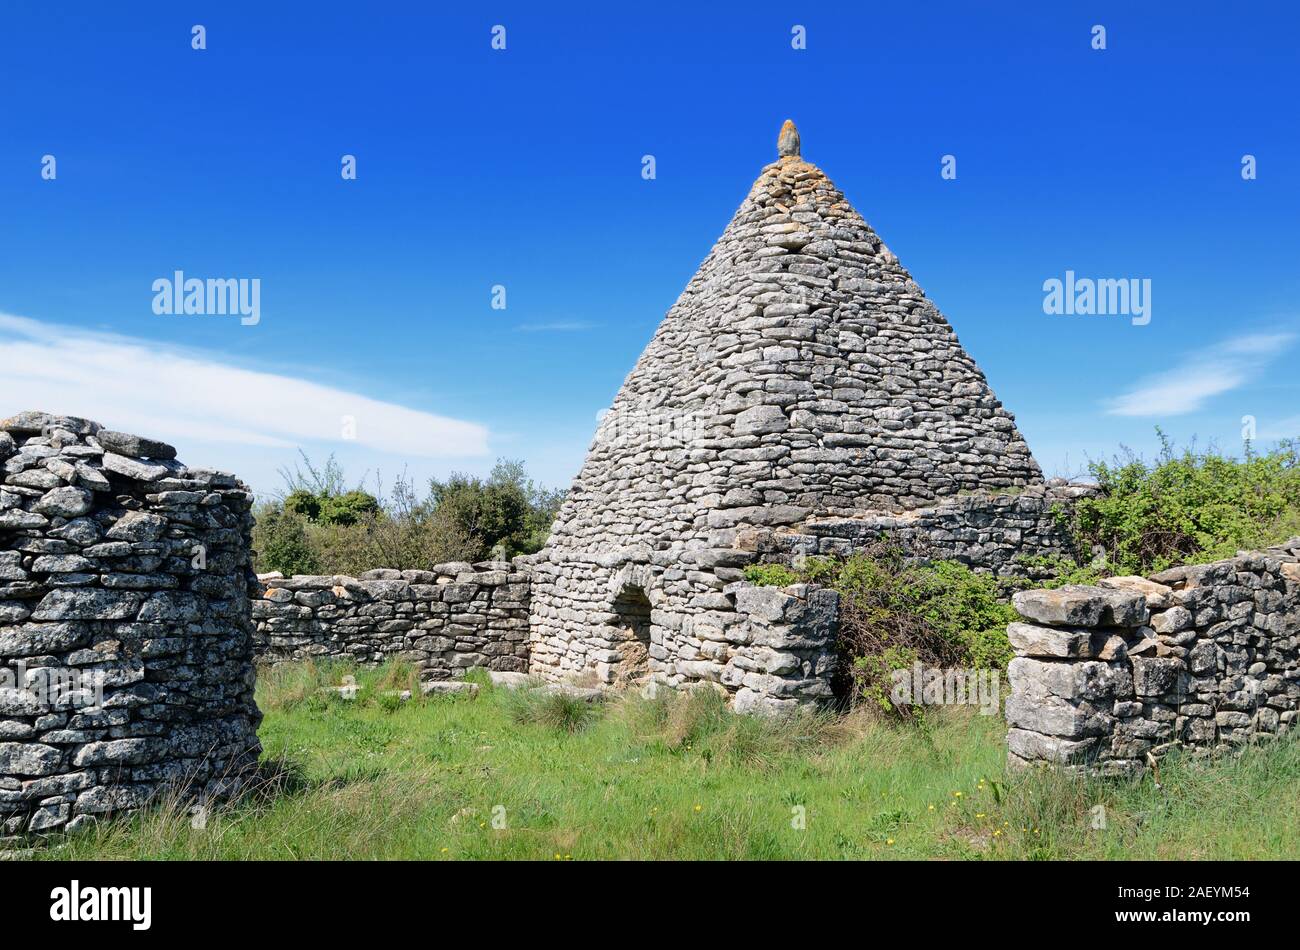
(125, 639)
(1203, 656)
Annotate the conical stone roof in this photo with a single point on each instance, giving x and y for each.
(802, 373)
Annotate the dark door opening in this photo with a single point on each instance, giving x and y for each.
(632, 635)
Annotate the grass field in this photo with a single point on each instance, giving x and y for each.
(515, 775)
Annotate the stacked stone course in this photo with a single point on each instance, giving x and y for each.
(780, 643)
(444, 620)
(1207, 656)
(782, 648)
(999, 534)
(124, 624)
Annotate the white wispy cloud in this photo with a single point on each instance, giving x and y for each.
(185, 396)
(1200, 376)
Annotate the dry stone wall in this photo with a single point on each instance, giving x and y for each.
(1205, 656)
(444, 620)
(774, 648)
(1007, 535)
(126, 662)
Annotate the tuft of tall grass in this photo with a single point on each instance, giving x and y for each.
(550, 708)
(285, 686)
(700, 721)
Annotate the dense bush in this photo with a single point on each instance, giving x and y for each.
(771, 575)
(896, 611)
(506, 510)
(322, 508)
(1190, 506)
(323, 525)
(1058, 571)
(280, 539)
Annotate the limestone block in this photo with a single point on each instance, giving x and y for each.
(1052, 715)
(1084, 680)
(1082, 606)
(1065, 642)
(1157, 595)
(1033, 746)
(1157, 676)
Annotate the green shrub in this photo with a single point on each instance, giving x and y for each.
(770, 575)
(874, 677)
(347, 508)
(817, 570)
(896, 611)
(323, 526)
(1059, 571)
(955, 599)
(280, 540)
(303, 503)
(322, 495)
(505, 512)
(988, 649)
(1190, 506)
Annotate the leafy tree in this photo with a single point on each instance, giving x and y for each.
(304, 503)
(507, 511)
(348, 508)
(321, 495)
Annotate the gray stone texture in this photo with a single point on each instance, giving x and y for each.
(1006, 535)
(1209, 658)
(124, 597)
(444, 621)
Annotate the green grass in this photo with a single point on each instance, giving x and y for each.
(684, 778)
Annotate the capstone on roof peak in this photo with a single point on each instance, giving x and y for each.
(787, 143)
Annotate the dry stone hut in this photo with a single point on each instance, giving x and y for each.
(800, 397)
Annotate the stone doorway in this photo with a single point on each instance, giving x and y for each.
(631, 635)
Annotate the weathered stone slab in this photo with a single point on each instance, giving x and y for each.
(1082, 606)
(1065, 642)
(1157, 595)
(134, 446)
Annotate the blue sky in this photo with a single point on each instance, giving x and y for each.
(522, 168)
